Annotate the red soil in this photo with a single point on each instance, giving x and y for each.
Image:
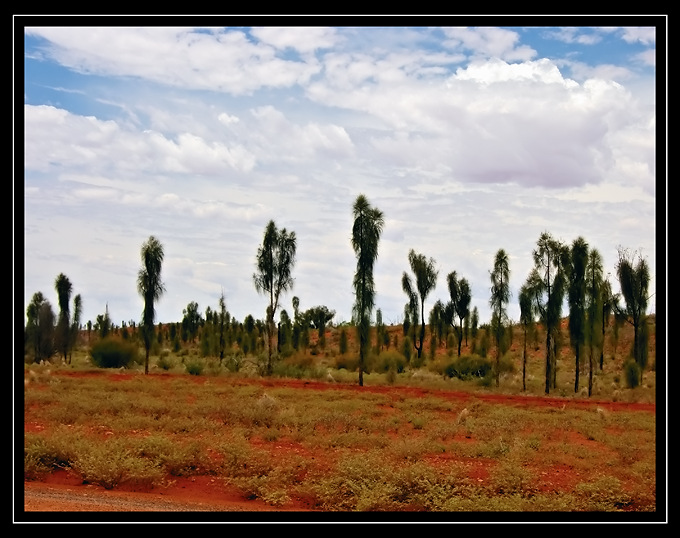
(63, 492)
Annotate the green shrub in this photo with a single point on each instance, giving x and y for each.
(348, 362)
(467, 366)
(344, 346)
(194, 366)
(110, 353)
(406, 347)
(165, 362)
(631, 370)
(298, 366)
(390, 360)
(234, 362)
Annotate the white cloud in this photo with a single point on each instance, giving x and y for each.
(463, 158)
(495, 70)
(304, 40)
(219, 61)
(644, 35)
(489, 42)
(56, 137)
(228, 119)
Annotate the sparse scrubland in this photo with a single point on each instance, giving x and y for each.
(434, 435)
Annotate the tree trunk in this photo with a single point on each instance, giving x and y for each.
(547, 362)
(577, 369)
(524, 363)
(422, 327)
(590, 372)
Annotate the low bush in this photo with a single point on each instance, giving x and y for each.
(389, 360)
(110, 353)
(631, 370)
(467, 366)
(165, 362)
(349, 362)
(194, 366)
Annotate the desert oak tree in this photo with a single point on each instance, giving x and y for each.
(459, 305)
(150, 287)
(633, 272)
(597, 309)
(425, 281)
(526, 319)
(500, 297)
(577, 297)
(546, 284)
(275, 262)
(366, 230)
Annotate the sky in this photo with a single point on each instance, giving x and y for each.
(468, 139)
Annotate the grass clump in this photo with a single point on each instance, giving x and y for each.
(110, 353)
(468, 366)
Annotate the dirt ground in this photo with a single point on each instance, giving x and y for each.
(64, 493)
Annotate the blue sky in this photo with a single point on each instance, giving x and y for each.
(469, 139)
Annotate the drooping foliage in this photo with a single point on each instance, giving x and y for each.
(633, 272)
(500, 297)
(366, 230)
(151, 288)
(577, 301)
(425, 275)
(546, 285)
(274, 276)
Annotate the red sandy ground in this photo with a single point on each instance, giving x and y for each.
(64, 492)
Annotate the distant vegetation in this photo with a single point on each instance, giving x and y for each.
(562, 275)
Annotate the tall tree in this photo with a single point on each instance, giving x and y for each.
(75, 323)
(500, 297)
(40, 326)
(192, 320)
(438, 321)
(425, 275)
(63, 286)
(222, 324)
(577, 299)
(366, 230)
(474, 322)
(151, 288)
(285, 332)
(274, 276)
(318, 317)
(608, 301)
(379, 331)
(546, 284)
(526, 319)
(458, 308)
(595, 307)
(633, 272)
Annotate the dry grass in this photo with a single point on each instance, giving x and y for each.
(405, 441)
